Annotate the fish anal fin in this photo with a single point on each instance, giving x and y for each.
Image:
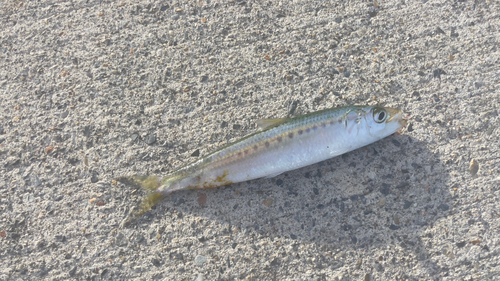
(266, 123)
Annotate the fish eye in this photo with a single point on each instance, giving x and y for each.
(379, 115)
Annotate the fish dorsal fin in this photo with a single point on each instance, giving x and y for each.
(266, 123)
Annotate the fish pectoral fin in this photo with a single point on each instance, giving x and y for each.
(273, 175)
(266, 123)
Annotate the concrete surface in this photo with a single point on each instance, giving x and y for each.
(93, 90)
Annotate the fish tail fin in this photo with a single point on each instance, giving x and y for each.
(148, 183)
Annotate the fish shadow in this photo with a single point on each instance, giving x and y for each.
(386, 195)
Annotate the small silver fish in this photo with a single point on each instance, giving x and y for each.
(282, 145)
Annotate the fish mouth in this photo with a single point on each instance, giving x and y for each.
(396, 114)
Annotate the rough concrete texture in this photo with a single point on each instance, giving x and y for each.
(93, 90)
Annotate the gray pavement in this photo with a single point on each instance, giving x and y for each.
(93, 90)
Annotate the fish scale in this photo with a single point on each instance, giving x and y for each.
(284, 145)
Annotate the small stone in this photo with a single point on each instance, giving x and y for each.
(444, 207)
(393, 227)
(396, 143)
(293, 107)
(473, 167)
(268, 202)
(94, 178)
(28, 198)
(60, 238)
(196, 153)
(402, 185)
(134, 137)
(202, 199)
(439, 30)
(407, 204)
(150, 139)
(438, 72)
(381, 202)
(179, 202)
(40, 244)
(2, 234)
(385, 189)
(72, 271)
(359, 263)
(36, 181)
(200, 260)
(475, 242)
(138, 238)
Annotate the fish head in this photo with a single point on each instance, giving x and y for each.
(383, 121)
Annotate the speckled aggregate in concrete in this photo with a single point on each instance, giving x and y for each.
(92, 90)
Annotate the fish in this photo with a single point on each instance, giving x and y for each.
(281, 145)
